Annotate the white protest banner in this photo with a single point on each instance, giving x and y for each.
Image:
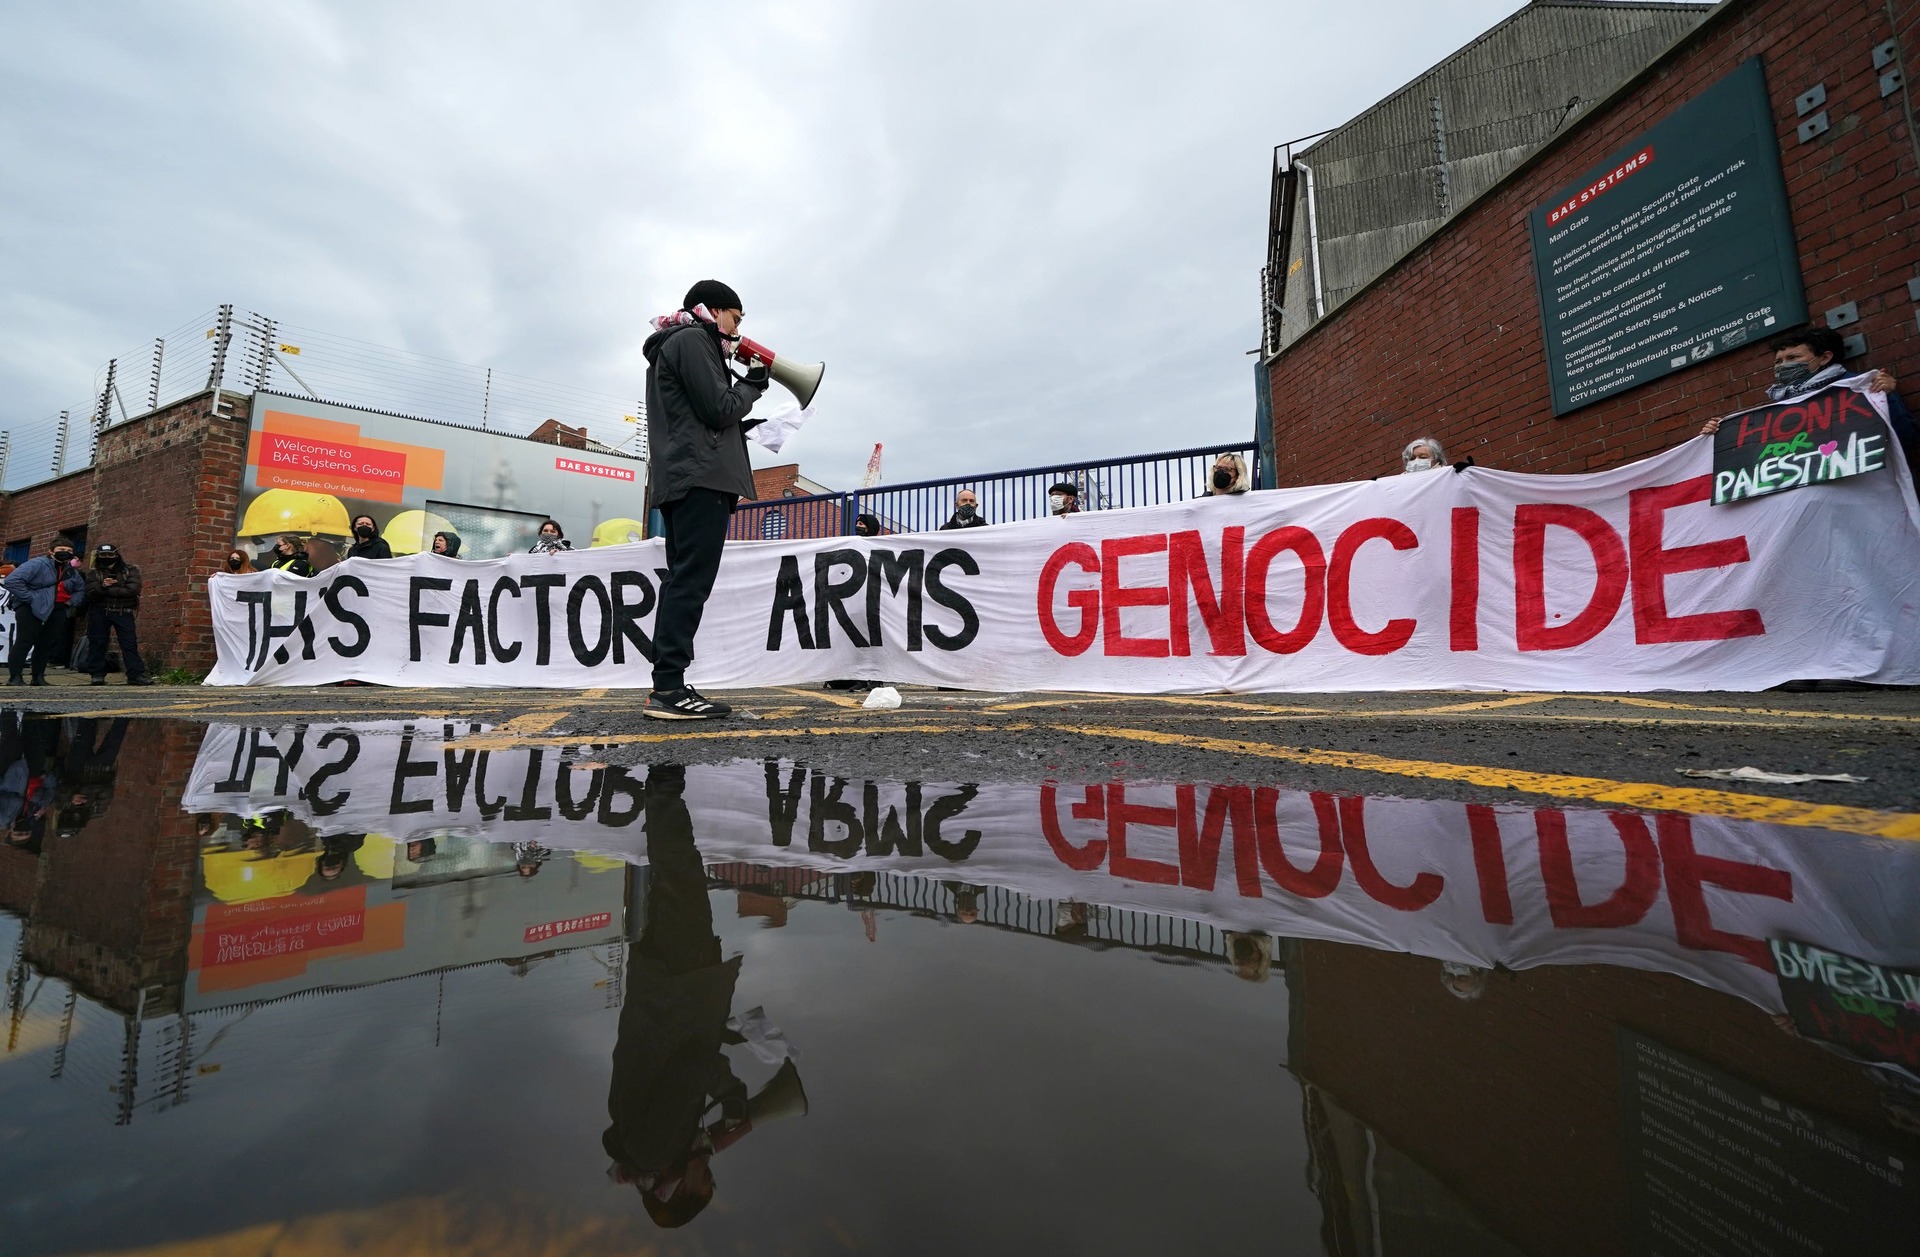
(1695, 896)
(1623, 580)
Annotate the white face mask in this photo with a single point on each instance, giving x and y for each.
(1059, 501)
(1420, 464)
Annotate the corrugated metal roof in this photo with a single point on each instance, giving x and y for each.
(1384, 181)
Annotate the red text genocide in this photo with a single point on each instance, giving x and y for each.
(1083, 590)
(1105, 829)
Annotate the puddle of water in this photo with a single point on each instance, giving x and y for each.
(378, 987)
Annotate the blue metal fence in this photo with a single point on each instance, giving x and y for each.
(1005, 496)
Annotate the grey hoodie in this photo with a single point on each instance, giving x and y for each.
(696, 410)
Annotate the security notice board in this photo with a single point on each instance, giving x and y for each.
(1676, 249)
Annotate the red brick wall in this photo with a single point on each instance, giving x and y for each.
(1448, 343)
(113, 908)
(774, 482)
(166, 487)
(50, 509)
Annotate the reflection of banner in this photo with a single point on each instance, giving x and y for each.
(1475, 884)
(1481, 580)
(1870, 1009)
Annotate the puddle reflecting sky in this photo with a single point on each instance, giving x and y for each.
(412, 988)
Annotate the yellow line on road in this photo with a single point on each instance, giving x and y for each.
(1645, 795)
(1634, 701)
(514, 731)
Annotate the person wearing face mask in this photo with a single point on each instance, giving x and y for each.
(289, 555)
(113, 598)
(1424, 454)
(1228, 477)
(239, 562)
(552, 540)
(1063, 499)
(1807, 360)
(866, 525)
(367, 541)
(45, 590)
(966, 512)
(447, 543)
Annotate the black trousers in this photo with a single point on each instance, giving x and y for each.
(696, 530)
(99, 620)
(36, 637)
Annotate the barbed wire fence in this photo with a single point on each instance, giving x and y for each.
(245, 350)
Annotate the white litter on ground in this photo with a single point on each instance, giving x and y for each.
(1750, 773)
(884, 697)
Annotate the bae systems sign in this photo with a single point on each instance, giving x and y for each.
(1675, 250)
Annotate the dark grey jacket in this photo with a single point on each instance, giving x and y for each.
(695, 412)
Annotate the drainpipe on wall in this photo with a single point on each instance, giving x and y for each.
(1313, 240)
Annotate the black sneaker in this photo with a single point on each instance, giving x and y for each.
(141, 680)
(685, 703)
(98, 681)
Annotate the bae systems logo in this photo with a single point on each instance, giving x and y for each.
(593, 469)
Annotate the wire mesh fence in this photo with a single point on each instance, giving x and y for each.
(245, 350)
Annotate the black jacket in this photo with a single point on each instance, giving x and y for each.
(696, 410)
(371, 548)
(954, 521)
(124, 595)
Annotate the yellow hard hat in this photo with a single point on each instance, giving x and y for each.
(292, 510)
(618, 532)
(410, 532)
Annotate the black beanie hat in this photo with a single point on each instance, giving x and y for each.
(712, 294)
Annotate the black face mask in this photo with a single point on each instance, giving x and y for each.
(964, 510)
(233, 562)
(63, 557)
(1222, 478)
(1791, 373)
(363, 531)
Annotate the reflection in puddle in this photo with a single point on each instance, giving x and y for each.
(1504, 1029)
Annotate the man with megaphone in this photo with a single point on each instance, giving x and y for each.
(697, 412)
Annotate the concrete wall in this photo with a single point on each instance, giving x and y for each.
(1448, 341)
(1387, 179)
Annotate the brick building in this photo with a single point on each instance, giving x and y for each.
(1447, 341)
(165, 486)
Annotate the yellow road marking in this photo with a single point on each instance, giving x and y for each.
(513, 731)
(1635, 701)
(820, 696)
(1489, 704)
(598, 692)
(1644, 795)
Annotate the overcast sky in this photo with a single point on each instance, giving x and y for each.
(1017, 232)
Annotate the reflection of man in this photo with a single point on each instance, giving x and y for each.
(669, 1071)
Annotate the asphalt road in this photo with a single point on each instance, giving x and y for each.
(1605, 749)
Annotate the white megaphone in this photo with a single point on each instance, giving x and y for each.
(802, 379)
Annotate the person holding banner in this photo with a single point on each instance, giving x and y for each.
(1808, 359)
(699, 410)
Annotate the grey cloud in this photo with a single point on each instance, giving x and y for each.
(1017, 233)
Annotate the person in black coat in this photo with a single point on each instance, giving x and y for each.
(966, 512)
(367, 541)
(698, 410)
(113, 598)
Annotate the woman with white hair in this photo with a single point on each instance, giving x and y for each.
(1229, 476)
(1423, 454)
